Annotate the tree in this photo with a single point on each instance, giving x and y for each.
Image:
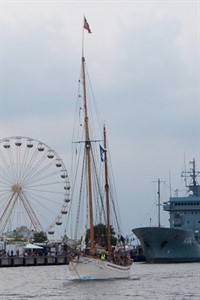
(100, 235)
(16, 236)
(40, 237)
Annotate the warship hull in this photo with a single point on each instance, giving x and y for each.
(168, 245)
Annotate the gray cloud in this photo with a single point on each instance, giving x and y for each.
(144, 63)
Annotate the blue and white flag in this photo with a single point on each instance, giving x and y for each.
(102, 151)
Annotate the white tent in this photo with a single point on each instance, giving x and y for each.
(32, 246)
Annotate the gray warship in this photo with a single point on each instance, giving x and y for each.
(181, 241)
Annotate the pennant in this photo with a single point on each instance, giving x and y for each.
(87, 26)
(102, 151)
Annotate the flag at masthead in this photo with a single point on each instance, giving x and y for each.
(86, 25)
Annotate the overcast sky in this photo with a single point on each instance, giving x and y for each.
(144, 64)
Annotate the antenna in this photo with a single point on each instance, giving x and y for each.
(192, 173)
(170, 185)
(159, 204)
(184, 172)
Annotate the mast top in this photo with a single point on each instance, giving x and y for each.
(194, 187)
(86, 26)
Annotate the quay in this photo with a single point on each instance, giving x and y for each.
(26, 261)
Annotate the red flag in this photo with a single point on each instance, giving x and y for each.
(87, 26)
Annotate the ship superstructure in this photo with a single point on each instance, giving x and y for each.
(185, 211)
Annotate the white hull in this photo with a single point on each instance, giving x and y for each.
(94, 268)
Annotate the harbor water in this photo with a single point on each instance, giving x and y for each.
(147, 281)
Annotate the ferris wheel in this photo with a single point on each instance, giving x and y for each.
(34, 186)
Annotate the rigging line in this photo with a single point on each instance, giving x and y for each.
(116, 213)
(76, 153)
(74, 176)
(98, 183)
(76, 173)
(93, 125)
(80, 195)
(113, 190)
(94, 101)
(116, 216)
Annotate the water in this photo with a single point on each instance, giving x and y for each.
(158, 281)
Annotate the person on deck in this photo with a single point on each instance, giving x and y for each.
(103, 256)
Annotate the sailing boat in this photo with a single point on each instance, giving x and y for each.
(94, 256)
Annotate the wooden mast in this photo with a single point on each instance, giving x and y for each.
(88, 160)
(107, 193)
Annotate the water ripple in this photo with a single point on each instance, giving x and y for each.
(147, 281)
